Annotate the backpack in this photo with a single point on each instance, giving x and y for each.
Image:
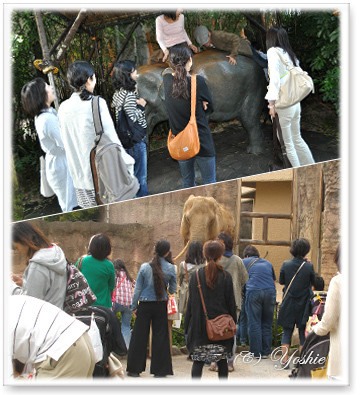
(296, 86)
(112, 179)
(129, 132)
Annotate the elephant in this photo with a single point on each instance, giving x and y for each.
(203, 219)
(237, 91)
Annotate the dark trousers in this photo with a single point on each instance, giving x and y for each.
(196, 371)
(154, 313)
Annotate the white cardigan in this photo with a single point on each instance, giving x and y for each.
(40, 330)
(330, 322)
(277, 72)
(78, 134)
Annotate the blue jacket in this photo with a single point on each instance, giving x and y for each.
(144, 289)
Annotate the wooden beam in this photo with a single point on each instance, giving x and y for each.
(62, 36)
(45, 51)
(265, 215)
(135, 25)
(75, 27)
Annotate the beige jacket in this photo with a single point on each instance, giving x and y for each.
(330, 322)
(239, 276)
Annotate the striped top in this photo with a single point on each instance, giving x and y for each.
(134, 111)
(39, 330)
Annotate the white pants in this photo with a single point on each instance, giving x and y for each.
(297, 150)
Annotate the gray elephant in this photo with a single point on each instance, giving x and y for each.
(203, 219)
(237, 91)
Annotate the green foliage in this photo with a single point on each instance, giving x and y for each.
(90, 214)
(315, 38)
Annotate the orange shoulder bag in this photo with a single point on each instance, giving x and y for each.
(186, 144)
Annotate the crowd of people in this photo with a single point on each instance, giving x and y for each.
(68, 137)
(49, 343)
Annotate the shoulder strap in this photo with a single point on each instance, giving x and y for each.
(193, 96)
(277, 131)
(287, 289)
(251, 264)
(229, 263)
(97, 119)
(284, 60)
(201, 294)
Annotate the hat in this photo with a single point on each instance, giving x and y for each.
(201, 34)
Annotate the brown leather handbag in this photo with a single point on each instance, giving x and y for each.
(222, 327)
(186, 144)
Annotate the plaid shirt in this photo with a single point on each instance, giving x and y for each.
(124, 290)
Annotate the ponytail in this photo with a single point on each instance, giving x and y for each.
(213, 251)
(179, 56)
(162, 247)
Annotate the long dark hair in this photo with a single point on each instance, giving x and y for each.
(179, 56)
(119, 265)
(194, 253)
(278, 37)
(161, 248)
(121, 77)
(34, 96)
(337, 258)
(30, 236)
(213, 250)
(78, 74)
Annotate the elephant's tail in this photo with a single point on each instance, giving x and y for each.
(183, 251)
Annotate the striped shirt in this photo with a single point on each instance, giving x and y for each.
(40, 330)
(124, 289)
(127, 99)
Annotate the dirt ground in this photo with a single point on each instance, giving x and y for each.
(319, 129)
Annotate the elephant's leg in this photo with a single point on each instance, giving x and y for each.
(250, 119)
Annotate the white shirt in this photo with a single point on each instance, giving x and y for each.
(40, 330)
(78, 134)
(277, 72)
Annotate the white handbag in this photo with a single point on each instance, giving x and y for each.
(45, 188)
(297, 85)
(95, 337)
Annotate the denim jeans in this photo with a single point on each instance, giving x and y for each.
(243, 323)
(138, 152)
(207, 169)
(260, 306)
(125, 321)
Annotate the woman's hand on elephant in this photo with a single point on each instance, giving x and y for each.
(205, 103)
(17, 280)
(166, 55)
(193, 48)
(141, 101)
(231, 60)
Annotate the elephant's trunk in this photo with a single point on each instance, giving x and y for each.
(183, 251)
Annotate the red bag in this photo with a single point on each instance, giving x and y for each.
(171, 305)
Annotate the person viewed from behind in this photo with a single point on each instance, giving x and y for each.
(229, 42)
(98, 270)
(45, 276)
(37, 97)
(78, 129)
(234, 265)
(194, 260)
(178, 105)
(170, 31)
(149, 306)
(330, 322)
(123, 294)
(125, 96)
(45, 338)
(297, 276)
(260, 300)
(277, 44)
(218, 293)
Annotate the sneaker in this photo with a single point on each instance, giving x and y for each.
(264, 357)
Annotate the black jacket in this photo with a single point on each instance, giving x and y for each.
(179, 111)
(220, 300)
(295, 308)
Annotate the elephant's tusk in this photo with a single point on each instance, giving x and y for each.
(182, 252)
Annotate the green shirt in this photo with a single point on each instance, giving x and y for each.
(101, 278)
